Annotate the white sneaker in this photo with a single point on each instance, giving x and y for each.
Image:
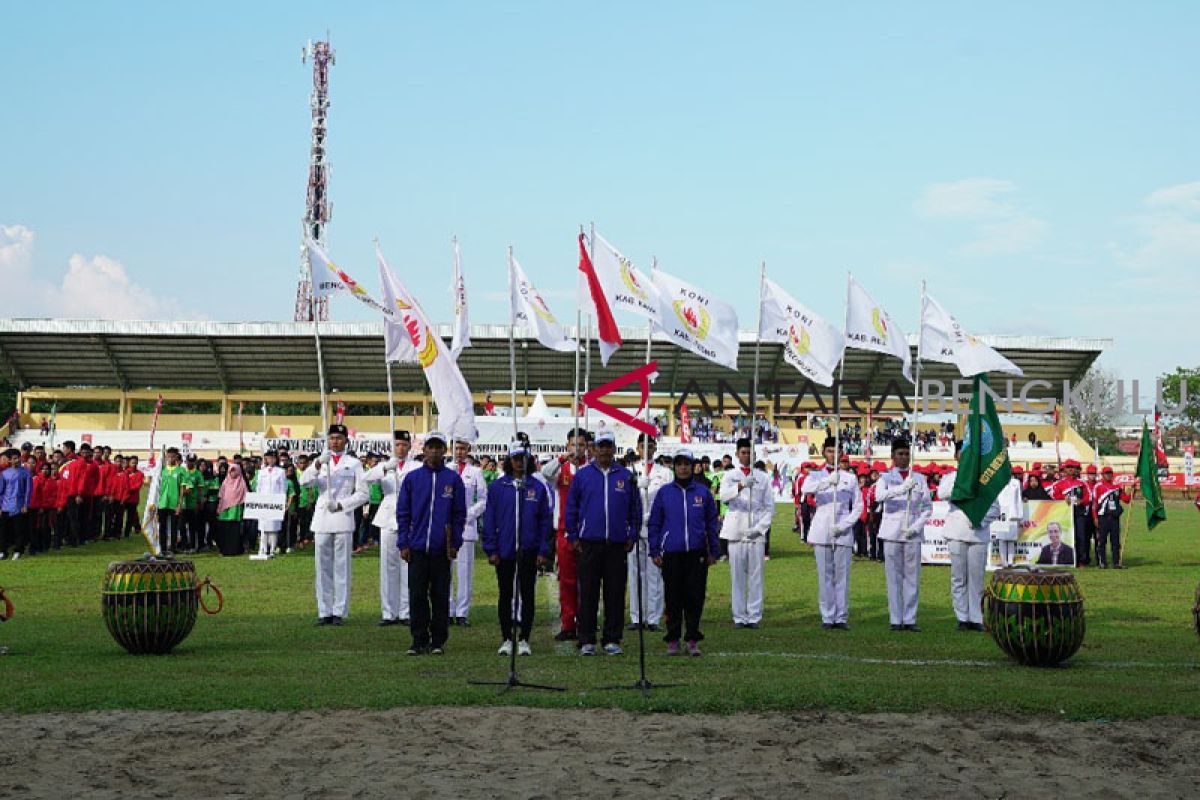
(587, 650)
(613, 649)
(505, 649)
(3, 556)
(523, 648)
(16, 556)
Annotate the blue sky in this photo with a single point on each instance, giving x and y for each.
(1034, 162)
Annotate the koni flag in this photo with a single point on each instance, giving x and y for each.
(406, 330)
(626, 287)
(530, 311)
(810, 344)
(609, 337)
(328, 277)
(462, 323)
(696, 320)
(944, 340)
(869, 327)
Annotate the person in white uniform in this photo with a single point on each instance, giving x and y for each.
(749, 506)
(270, 479)
(393, 571)
(969, 547)
(342, 487)
(650, 477)
(464, 565)
(839, 504)
(904, 498)
(1007, 529)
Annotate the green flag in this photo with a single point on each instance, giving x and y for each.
(983, 466)
(1147, 472)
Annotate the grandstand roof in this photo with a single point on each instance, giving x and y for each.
(238, 356)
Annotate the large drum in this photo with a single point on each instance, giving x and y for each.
(1036, 616)
(150, 605)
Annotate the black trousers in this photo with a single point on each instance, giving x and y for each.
(91, 517)
(131, 524)
(1083, 542)
(1108, 533)
(429, 598)
(192, 527)
(685, 582)
(43, 527)
(168, 529)
(75, 521)
(306, 515)
(860, 538)
(600, 565)
(526, 577)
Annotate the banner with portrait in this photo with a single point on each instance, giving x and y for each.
(1048, 525)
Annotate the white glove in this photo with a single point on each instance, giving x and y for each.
(824, 484)
(334, 506)
(911, 533)
(391, 465)
(643, 481)
(909, 484)
(753, 535)
(323, 459)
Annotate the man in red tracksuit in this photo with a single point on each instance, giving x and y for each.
(82, 478)
(559, 473)
(1107, 498)
(1079, 495)
(133, 479)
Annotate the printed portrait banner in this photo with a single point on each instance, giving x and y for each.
(265, 507)
(1043, 517)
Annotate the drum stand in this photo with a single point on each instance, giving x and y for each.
(514, 680)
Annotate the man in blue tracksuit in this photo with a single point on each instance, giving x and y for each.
(516, 558)
(16, 487)
(603, 520)
(431, 510)
(683, 539)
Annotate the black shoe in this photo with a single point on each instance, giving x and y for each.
(896, 627)
(752, 626)
(826, 626)
(383, 623)
(978, 627)
(323, 621)
(654, 628)
(914, 628)
(633, 626)
(404, 621)
(335, 620)
(841, 626)
(1118, 566)
(463, 621)
(963, 626)
(739, 625)
(454, 620)
(566, 636)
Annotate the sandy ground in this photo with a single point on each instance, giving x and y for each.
(521, 752)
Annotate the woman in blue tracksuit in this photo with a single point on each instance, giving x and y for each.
(682, 533)
(603, 520)
(431, 510)
(514, 556)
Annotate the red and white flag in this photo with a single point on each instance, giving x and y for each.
(685, 425)
(625, 286)
(609, 336)
(1160, 453)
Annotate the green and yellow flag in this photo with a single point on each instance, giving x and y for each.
(983, 467)
(1147, 472)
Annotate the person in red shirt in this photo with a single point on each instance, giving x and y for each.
(559, 473)
(860, 527)
(102, 510)
(1107, 498)
(133, 479)
(1078, 494)
(42, 504)
(82, 478)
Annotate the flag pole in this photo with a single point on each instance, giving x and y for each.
(912, 433)
(649, 345)
(512, 347)
(837, 398)
(316, 327)
(387, 366)
(762, 277)
(587, 355)
(578, 328)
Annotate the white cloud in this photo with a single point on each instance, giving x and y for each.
(1169, 231)
(1000, 225)
(96, 287)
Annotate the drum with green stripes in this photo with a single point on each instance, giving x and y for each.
(150, 605)
(1036, 616)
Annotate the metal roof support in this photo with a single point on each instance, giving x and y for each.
(119, 373)
(222, 373)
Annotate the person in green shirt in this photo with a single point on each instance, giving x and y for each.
(169, 501)
(306, 502)
(191, 482)
(208, 507)
(490, 473)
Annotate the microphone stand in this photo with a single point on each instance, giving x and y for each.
(514, 680)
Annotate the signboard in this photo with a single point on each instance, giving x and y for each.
(1189, 465)
(265, 507)
(285, 433)
(85, 438)
(1046, 522)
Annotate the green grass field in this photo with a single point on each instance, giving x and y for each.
(1140, 657)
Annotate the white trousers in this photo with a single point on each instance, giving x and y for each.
(268, 542)
(968, 563)
(393, 577)
(464, 577)
(746, 579)
(333, 573)
(652, 585)
(833, 582)
(902, 565)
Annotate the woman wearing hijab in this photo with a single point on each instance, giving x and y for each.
(230, 500)
(1034, 489)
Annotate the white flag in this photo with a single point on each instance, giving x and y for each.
(944, 340)
(868, 327)
(462, 324)
(810, 344)
(530, 311)
(456, 409)
(696, 320)
(327, 277)
(625, 286)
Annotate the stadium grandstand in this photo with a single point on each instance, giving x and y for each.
(101, 379)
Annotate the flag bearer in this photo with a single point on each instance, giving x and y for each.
(904, 498)
(683, 527)
(839, 505)
(271, 479)
(342, 485)
(969, 546)
(393, 570)
(1106, 503)
(749, 506)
